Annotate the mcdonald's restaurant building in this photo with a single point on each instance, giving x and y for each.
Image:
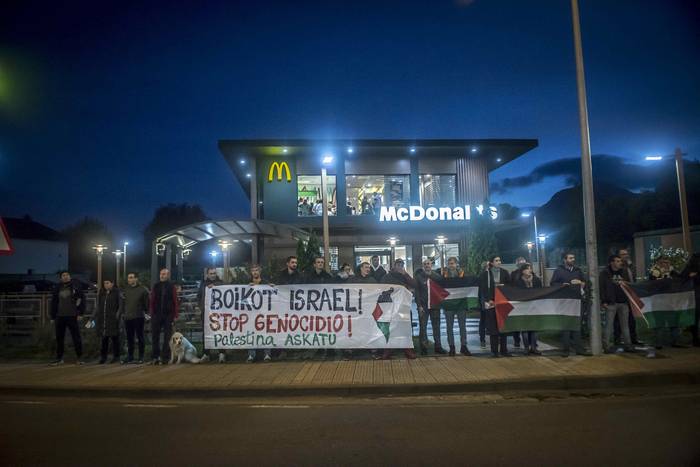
(391, 198)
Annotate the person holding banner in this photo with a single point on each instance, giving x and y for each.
(614, 303)
(570, 275)
(453, 270)
(318, 274)
(211, 280)
(256, 278)
(378, 270)
(164, 308)
(364, 275)
(487, 295)
(290, 274)
(424, 311)
(398, 275)
(526, 279)
(629, 276)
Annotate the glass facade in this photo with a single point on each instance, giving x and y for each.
(436, 253)
(309, 200)
(367, 193)
(437, 190)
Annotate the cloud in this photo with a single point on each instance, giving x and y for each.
(610, 169)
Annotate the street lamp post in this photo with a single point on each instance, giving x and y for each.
(534, 221)
(224, 244)
(680, 179)
(99, 249)
(541, 239)
(587, 183)
(327, 160)
(117, 256)
(125, 245)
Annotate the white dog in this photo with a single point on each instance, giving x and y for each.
(183, 350)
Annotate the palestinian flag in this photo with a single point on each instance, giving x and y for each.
(454, 293)
(542, 309)
(382, 312)
(662, 303)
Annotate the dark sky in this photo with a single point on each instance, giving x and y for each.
(110, 111)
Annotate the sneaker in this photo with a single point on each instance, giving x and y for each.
(410, 354)
(267, 358)
(440, 350)
(465, 351)
(138, 362)
(452, 351)
(483, 344)
(222, 358)
(637, 342)
(250, 359)
(534, 352)
(79, 362)
(651, 353)
(56, 362)
(619, 350)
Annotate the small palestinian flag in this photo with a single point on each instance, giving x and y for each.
(662, 303)
(541, 309)
(382, 312)
(454, 293)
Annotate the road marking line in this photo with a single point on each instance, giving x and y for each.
(150, 406)
(280, 406)
(26, 402)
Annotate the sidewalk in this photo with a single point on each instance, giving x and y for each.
(362, 377)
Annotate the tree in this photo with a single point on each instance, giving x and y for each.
(82, 236)
(481, 245)
(307, 251)
(169, 217)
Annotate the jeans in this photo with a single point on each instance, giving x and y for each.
(633, 328)
(621, 311)
(165, 324)
(450, 323)
(105, 347)
(434, 315)
(134, 327)
(70, 322)
(530, 340)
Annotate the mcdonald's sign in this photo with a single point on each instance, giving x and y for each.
(280, 167)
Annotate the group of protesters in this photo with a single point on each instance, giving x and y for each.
(136, 305)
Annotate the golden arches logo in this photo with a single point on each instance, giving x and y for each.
(280, 167)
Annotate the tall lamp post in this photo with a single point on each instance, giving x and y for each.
(541, 239)
(99, 249)
(118, 257)
(587, 183)
(326, 161)
(225, 244)
(125, 245)
(534, 221)
(680, 179)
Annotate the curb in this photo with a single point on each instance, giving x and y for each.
(646, 379)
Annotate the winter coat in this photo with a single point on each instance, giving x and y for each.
(610, 290)
(312, 277)
(164, 301)
(108, 311)
(563, 276)
(358, 279)
(77, 299)
(135, 301)
(284, 278)
(536, 282)
(421, 278)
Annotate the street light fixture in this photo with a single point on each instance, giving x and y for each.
(99, 249)
(680, 180)
(541, 239)
(125, 245)
(534, 221)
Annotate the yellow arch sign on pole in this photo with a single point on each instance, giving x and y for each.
(279, 167)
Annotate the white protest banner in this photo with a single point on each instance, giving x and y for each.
(340, 316)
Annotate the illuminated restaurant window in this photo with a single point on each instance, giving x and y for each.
(437, 190)
(367, 193)
(309, 200)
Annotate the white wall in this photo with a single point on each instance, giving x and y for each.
(42, 256)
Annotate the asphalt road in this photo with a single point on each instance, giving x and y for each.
(551, 429)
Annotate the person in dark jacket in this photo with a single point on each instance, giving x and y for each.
(526, 279)
(345, 274)
(136, 300)
(67, 306)
(364, 275)
(487, 294)
(378, 270)
(164, 308)
(424, 312)
(317, 274)
(629, 276)
(399, 276)
(568, 274)
(105, 319)
(211, 279)
(614, 302)
(453, 270)
(692, 272)
(519, 261)
(290, 274)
